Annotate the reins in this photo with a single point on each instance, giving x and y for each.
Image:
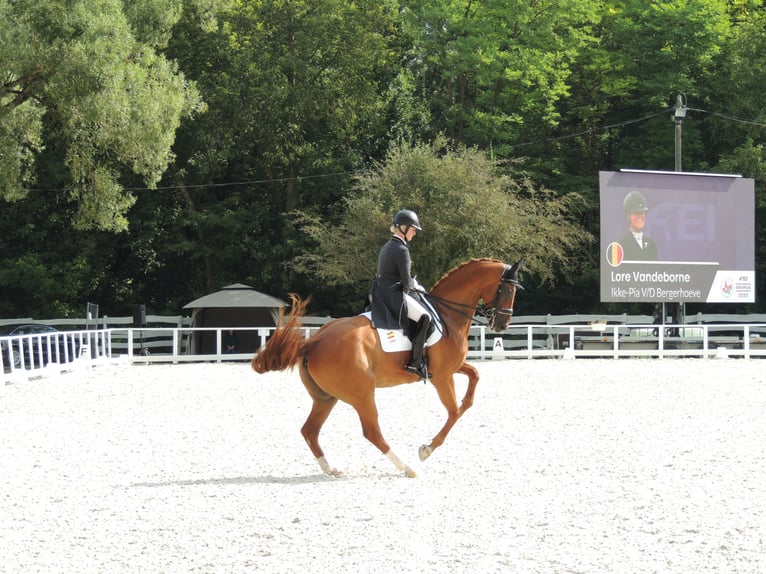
(451, 305)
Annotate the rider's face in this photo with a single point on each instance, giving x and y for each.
(411, 232)
(637, 219)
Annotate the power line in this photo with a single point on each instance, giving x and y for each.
(250, 182)
(226, 184)
(594, 130)
(729, 117)
(637, 120)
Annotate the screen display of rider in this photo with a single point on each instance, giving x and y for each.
(636, 246)
(395, 291)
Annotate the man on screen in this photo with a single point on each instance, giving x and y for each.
(636, 246)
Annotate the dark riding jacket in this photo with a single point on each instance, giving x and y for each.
(632, 251)
(392, 278)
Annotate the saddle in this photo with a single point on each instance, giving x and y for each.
(395, 340)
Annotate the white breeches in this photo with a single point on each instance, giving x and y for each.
(414, 309)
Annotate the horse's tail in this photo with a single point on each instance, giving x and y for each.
(285, 346)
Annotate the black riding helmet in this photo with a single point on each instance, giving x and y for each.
(634, 201)
(407, 217)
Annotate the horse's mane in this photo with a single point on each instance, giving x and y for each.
(460, 266)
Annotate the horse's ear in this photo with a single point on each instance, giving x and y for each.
(512, 274)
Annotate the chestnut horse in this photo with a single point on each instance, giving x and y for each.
(344, 359)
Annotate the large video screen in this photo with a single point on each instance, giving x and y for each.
(672, 237)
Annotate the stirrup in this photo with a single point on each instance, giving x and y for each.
(421, 372)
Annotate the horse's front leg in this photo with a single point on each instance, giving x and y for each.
(473, 379)
(368, 416)
(446, 390)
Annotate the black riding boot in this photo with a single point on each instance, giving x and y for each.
(418, 365)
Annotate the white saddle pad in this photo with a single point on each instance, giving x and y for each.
(393, 340)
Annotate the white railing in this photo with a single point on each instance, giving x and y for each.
(623, 341)
(36, 355)
(42, 353)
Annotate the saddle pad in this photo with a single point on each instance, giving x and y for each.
(393, 340)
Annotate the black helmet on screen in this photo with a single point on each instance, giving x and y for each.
(635, 201)
(407, 217)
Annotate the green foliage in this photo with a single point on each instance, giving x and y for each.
(735, 87)
(240, 112)
(660, 48)
(26, 284)
(493, 70)
(467, 209)
(20, 131)
(749, 159)
(293, 89)
(112, 102)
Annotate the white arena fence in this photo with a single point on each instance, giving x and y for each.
(28, 356)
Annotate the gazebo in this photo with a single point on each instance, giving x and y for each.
(234, 306)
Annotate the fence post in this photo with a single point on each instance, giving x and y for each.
(497, 348)
(176, 346)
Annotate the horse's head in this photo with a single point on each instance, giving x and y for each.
(499, 311)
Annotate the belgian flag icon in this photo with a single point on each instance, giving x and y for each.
(614, 254)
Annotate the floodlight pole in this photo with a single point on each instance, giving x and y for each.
(679, 114)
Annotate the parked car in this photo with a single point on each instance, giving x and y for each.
(30, 345)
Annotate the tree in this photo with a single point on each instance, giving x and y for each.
(296, 92)
(494, 71)
(298, 95)
(467, 209)
(734, 89)
(84, 81)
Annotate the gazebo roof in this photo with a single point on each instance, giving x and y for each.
(236, 295)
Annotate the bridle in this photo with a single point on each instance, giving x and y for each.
(506, 289)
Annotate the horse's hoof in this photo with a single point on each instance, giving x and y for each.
(409, 473)
(424, 452)
(326, 468)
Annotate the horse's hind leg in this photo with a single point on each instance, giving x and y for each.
(320, 410)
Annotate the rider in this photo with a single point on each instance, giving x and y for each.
(394, 291)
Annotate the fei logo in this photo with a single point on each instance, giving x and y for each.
(727, 287)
